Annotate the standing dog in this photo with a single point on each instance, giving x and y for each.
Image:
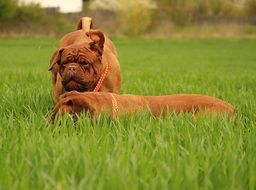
(86, 60)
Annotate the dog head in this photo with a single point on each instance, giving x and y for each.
(80, 65)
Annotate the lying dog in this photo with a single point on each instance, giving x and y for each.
(86, 60)
(118, 105)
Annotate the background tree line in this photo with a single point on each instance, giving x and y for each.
(128, 17)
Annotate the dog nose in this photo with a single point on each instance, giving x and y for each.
(72, 68)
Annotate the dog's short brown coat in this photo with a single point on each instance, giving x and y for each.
(94, 44)
(96, 102)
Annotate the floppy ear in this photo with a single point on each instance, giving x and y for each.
(98, 40)
(55, 58)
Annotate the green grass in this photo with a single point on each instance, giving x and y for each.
(138, 152)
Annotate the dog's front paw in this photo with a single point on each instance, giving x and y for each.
(73, 103)
(65, 105)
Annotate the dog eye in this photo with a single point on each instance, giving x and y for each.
(70, 58)
(85, 63)
(61, 63)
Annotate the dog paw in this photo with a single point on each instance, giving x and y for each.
(73, 103)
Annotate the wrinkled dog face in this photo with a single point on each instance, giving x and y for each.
(80, 65)
(79, 68)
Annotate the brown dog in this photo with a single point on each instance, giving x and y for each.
(85, 61)
(117, 105)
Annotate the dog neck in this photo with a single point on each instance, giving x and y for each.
(102, 78)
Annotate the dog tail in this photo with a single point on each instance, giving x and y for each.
(84, 23)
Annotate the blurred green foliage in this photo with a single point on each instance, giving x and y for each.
(10, 12)
(131, 17)
(135, 18)
(7, 10)
(182, 12)
(31, 13)
(250, 8)
(29, 19)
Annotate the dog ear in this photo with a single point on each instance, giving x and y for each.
(98, 40)
(55, 58)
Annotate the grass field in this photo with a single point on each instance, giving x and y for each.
(138, 152)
